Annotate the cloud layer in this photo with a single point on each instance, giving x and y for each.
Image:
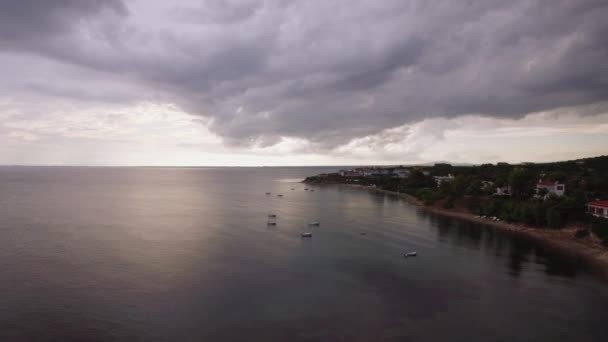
(326, 72)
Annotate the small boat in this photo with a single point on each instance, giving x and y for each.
(268, 193)
(314, 223)
(363, 233)
(312, 190)
(305, 189)
(279, 195)
(292, 189)
(410, 254)
(306, 234)
(272, 220)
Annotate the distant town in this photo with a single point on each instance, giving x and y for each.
(569, 194)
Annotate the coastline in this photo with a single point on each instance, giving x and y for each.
(587, 250)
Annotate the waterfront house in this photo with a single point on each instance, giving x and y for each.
(382, 172)
(487, 185)
(443, 179)
(504, 190)
(598, 208)
(555, 188)
(367, 172)
(351, 173)
(402, 173)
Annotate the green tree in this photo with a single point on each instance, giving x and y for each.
(475, 188)
(554, 218)
(442, 169)
(521, 182)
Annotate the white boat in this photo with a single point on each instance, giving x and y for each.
(410, 254)
(314, 223)
(268, 193)
(272, 223)
(272, 215)
(279, 195)
(307, 234)
(312, 190)
(363, 233)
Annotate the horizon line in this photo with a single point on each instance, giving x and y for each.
(294, 166)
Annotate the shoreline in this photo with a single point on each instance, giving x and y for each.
(587, 250)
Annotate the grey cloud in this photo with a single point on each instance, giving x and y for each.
(217, 11)
(329, 71)
(25, 21)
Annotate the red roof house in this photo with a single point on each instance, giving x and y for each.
(598, 208)
(556, 188)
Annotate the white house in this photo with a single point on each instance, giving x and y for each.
(402, 173)
(367, 172)
(487, 185)
(381, 171)
(351, 173)
(443, 179)
(598, 208)
(556, 188)
(504, 190)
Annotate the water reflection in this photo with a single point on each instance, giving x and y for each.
(186, 255)
(521, 252)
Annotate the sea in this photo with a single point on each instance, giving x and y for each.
(186, 254)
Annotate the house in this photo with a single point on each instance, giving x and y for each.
(504, 190)
(402, 173)
(486, 185)
(555, 188)
(378, 172)
(367, 172)
(443, 179)
(351, 173)
(598, 208)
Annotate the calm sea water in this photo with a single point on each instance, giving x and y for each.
(184, 254)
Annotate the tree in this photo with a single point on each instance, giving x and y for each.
(459, 185)
(417, 179)
(474, 188)
(520, 181)
(554, 218)
(442, 169)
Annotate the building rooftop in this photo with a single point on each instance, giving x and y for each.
(603, 203)
(547, 183)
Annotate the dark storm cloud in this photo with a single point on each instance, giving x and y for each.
(328, 71)
(26, 23)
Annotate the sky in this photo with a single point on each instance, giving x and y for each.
(317, 82)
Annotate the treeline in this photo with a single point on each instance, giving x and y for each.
(474, 187)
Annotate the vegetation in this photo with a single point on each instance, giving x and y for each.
(474, 188)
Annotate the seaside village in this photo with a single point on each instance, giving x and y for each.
(543, 188)
(570, 194)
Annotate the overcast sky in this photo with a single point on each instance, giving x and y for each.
(277, 82)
